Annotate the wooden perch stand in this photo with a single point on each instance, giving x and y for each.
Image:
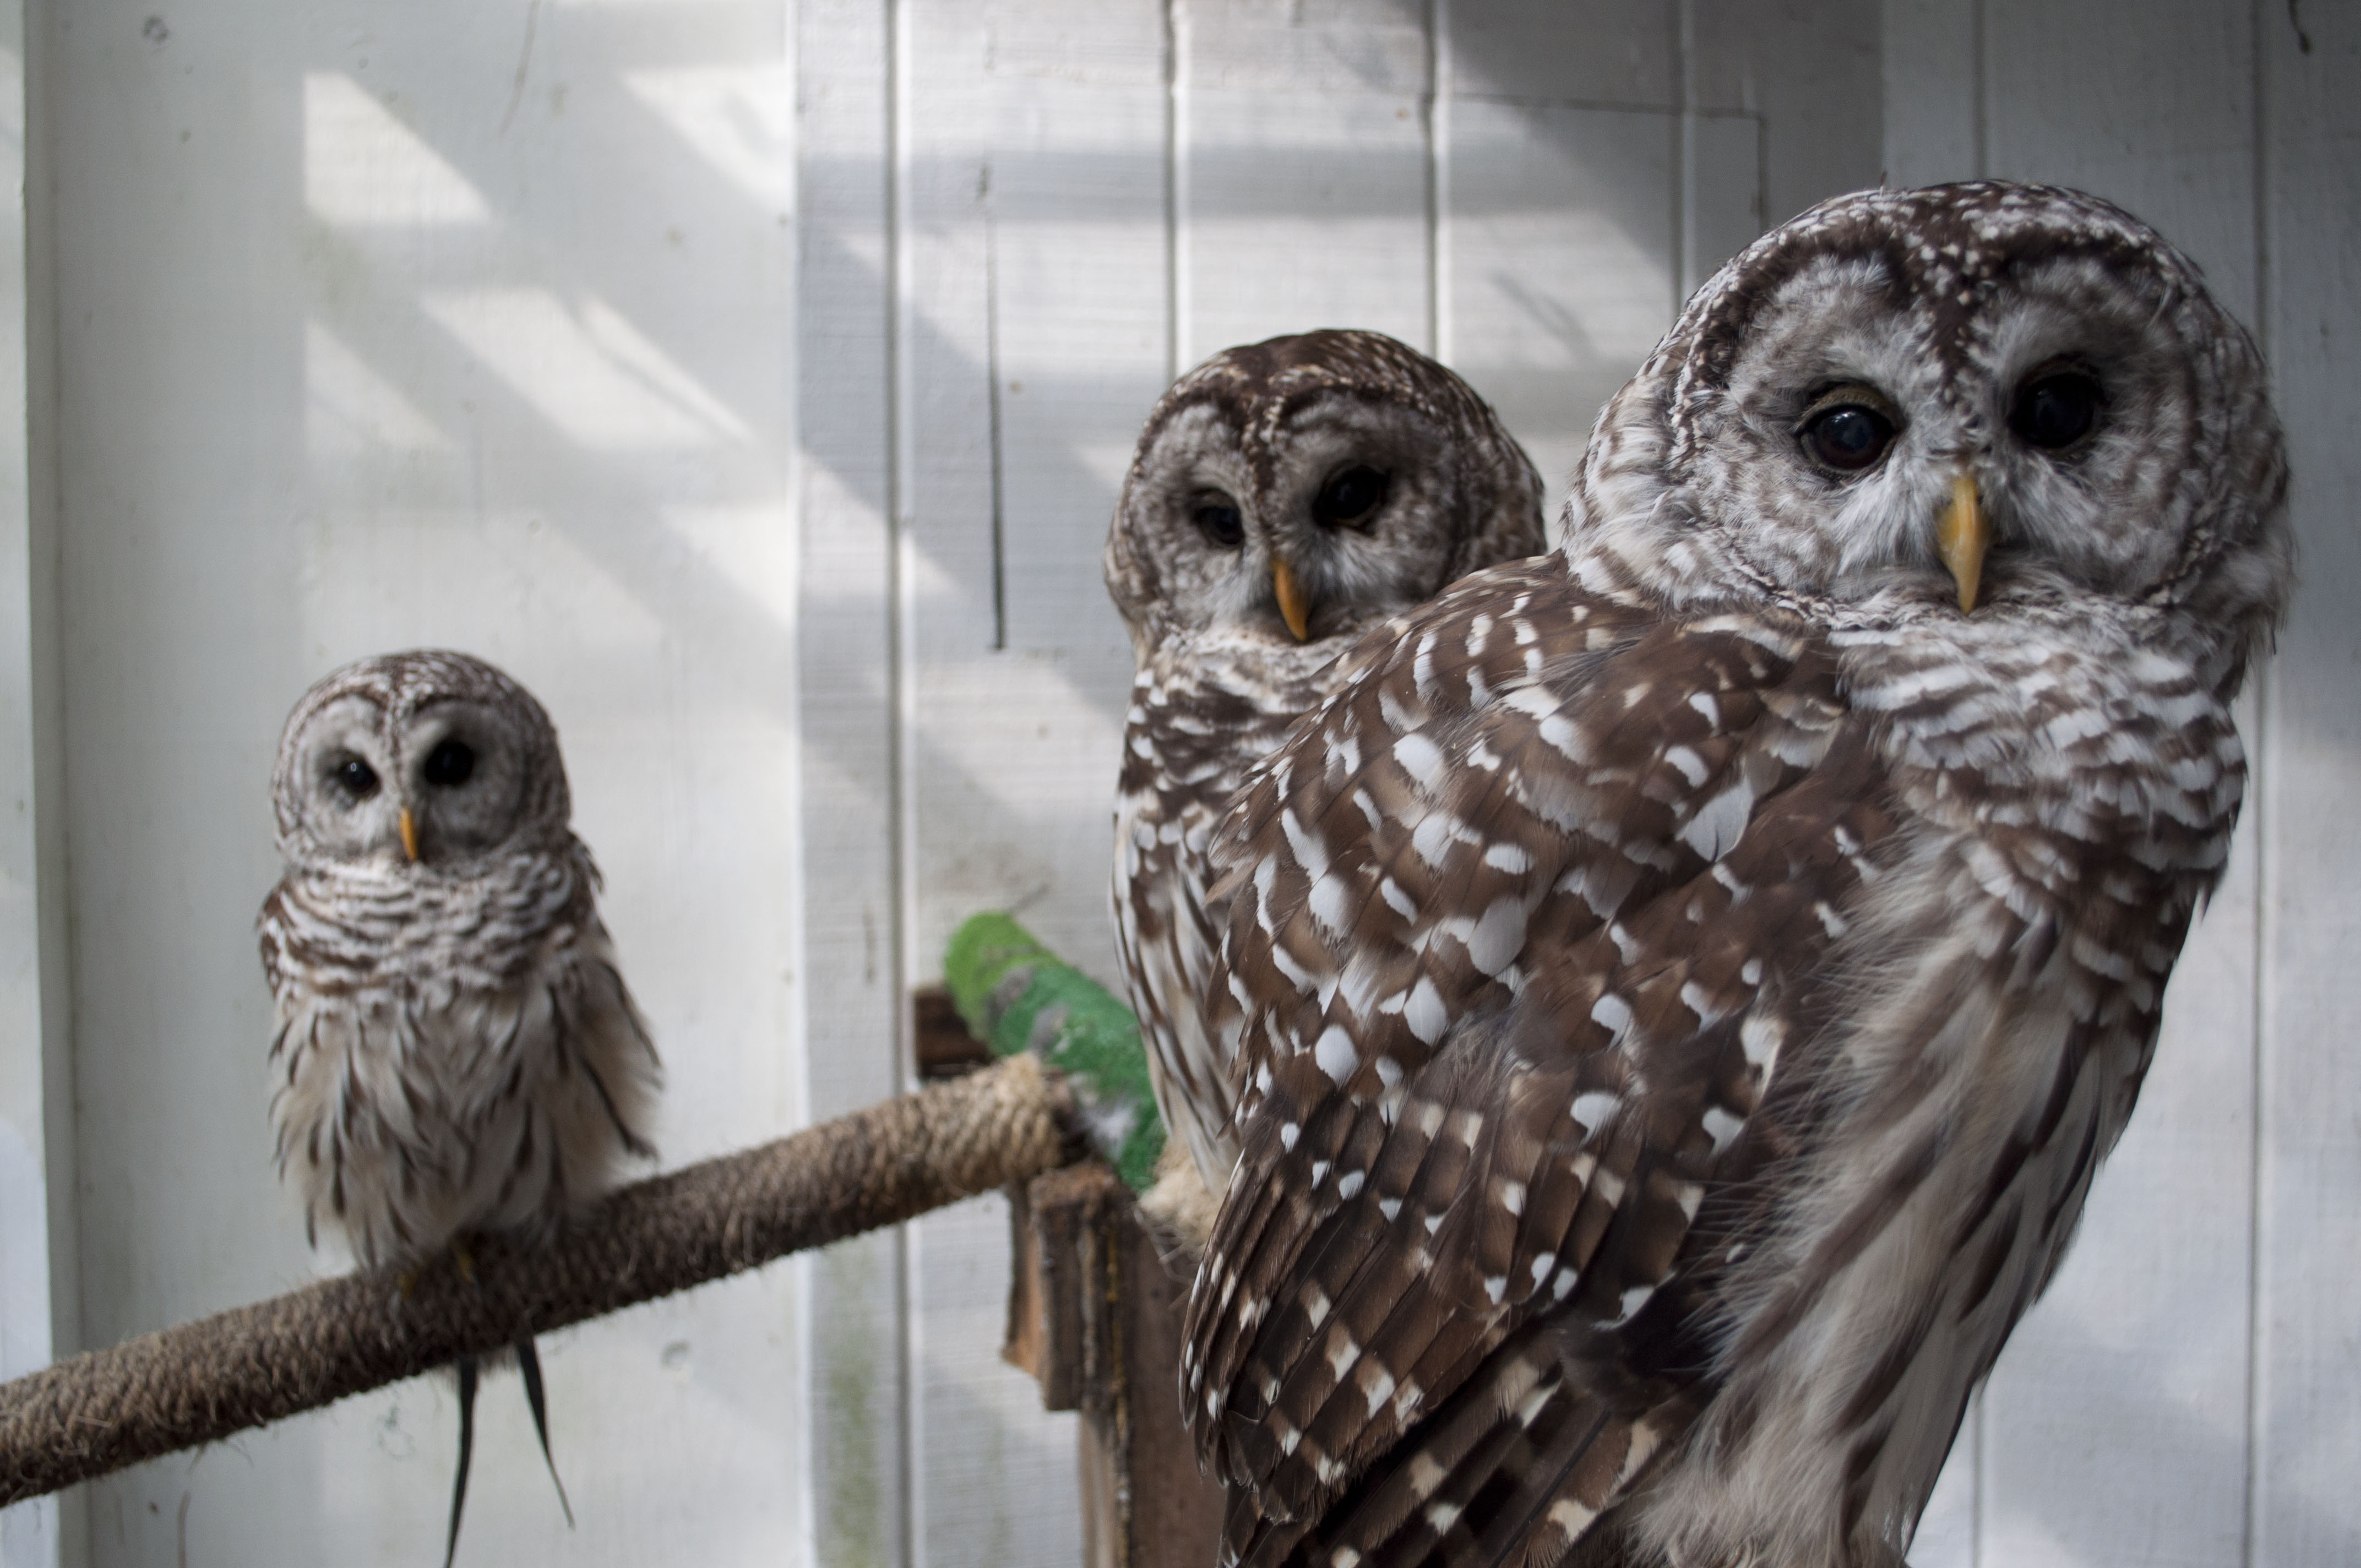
(201, 1381)
(1095, 1314)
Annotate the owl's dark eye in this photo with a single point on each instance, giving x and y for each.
(1347, 499)
(2056, 411)
(1848, 437)
(358, 779)
(1219, 522)
(449, 763)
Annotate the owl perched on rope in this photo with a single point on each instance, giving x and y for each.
(1685, 984)
(1284, 496)
(456, 1052)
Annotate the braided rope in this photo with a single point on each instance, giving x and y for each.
(201, 1381)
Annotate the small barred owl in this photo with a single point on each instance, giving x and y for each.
(1685, 985)
(1284, 496)
(456, 1052)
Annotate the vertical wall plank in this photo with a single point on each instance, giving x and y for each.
(1601, 160)
(36, 1251)
(173, 1222)
(1722, 212)
(1563, 207)
(1037, 335)
(1931, 91)
(857, 1402)
(1563, 268)
(1041, 336)
(1077, 203)
(2114, 1426)
(1809, 71)
(48, 961)
(1622, 53)
(2149, 106)
(2306, 1512)
(1304, 170)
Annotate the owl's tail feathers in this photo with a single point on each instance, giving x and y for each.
(470, 1370)
(468, 1373)
(529, 1369)
(1512, 1472)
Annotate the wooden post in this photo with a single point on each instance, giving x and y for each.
(1094, 1315)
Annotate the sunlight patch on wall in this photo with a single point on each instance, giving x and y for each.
(349, 409)
(586, 370)
(741, 119)
(12, 103)
(1019, 725)
(363, 167)
(501, 584)
(754, 549)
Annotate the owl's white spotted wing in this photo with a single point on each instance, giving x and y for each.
(1522, 923)
(1283, 495)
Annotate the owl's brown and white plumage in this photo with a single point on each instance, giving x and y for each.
(456, 1049)
(1285, 495)
(1685, 984)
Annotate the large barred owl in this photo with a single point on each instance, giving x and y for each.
(1285, 497)
(1685, 984)
(456, 1050)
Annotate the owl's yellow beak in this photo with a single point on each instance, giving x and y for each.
(409, 833)
(1294, 604)
(1962, 537)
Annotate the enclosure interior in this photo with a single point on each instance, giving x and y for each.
(754, 379)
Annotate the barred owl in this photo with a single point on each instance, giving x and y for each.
(1284, 496)
(456, 1050)
(1685, 984)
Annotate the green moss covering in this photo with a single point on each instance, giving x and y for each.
(1017, 995)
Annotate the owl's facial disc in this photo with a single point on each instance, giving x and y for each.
(462, 781)
(1358, 518)
(1350, 498)
(1877, 447)
(346, 803)
(1291, 492)
(1331, 526)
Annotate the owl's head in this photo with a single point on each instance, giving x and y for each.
(421, 763)
(1302, 489)
(1955, 401)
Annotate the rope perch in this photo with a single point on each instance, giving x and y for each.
(203, 1381)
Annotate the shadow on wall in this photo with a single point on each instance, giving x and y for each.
(503, 315)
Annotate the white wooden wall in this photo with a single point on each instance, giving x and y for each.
(753, 378)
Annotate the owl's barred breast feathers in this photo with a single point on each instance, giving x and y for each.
(456, 1049)
(1683, 987)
